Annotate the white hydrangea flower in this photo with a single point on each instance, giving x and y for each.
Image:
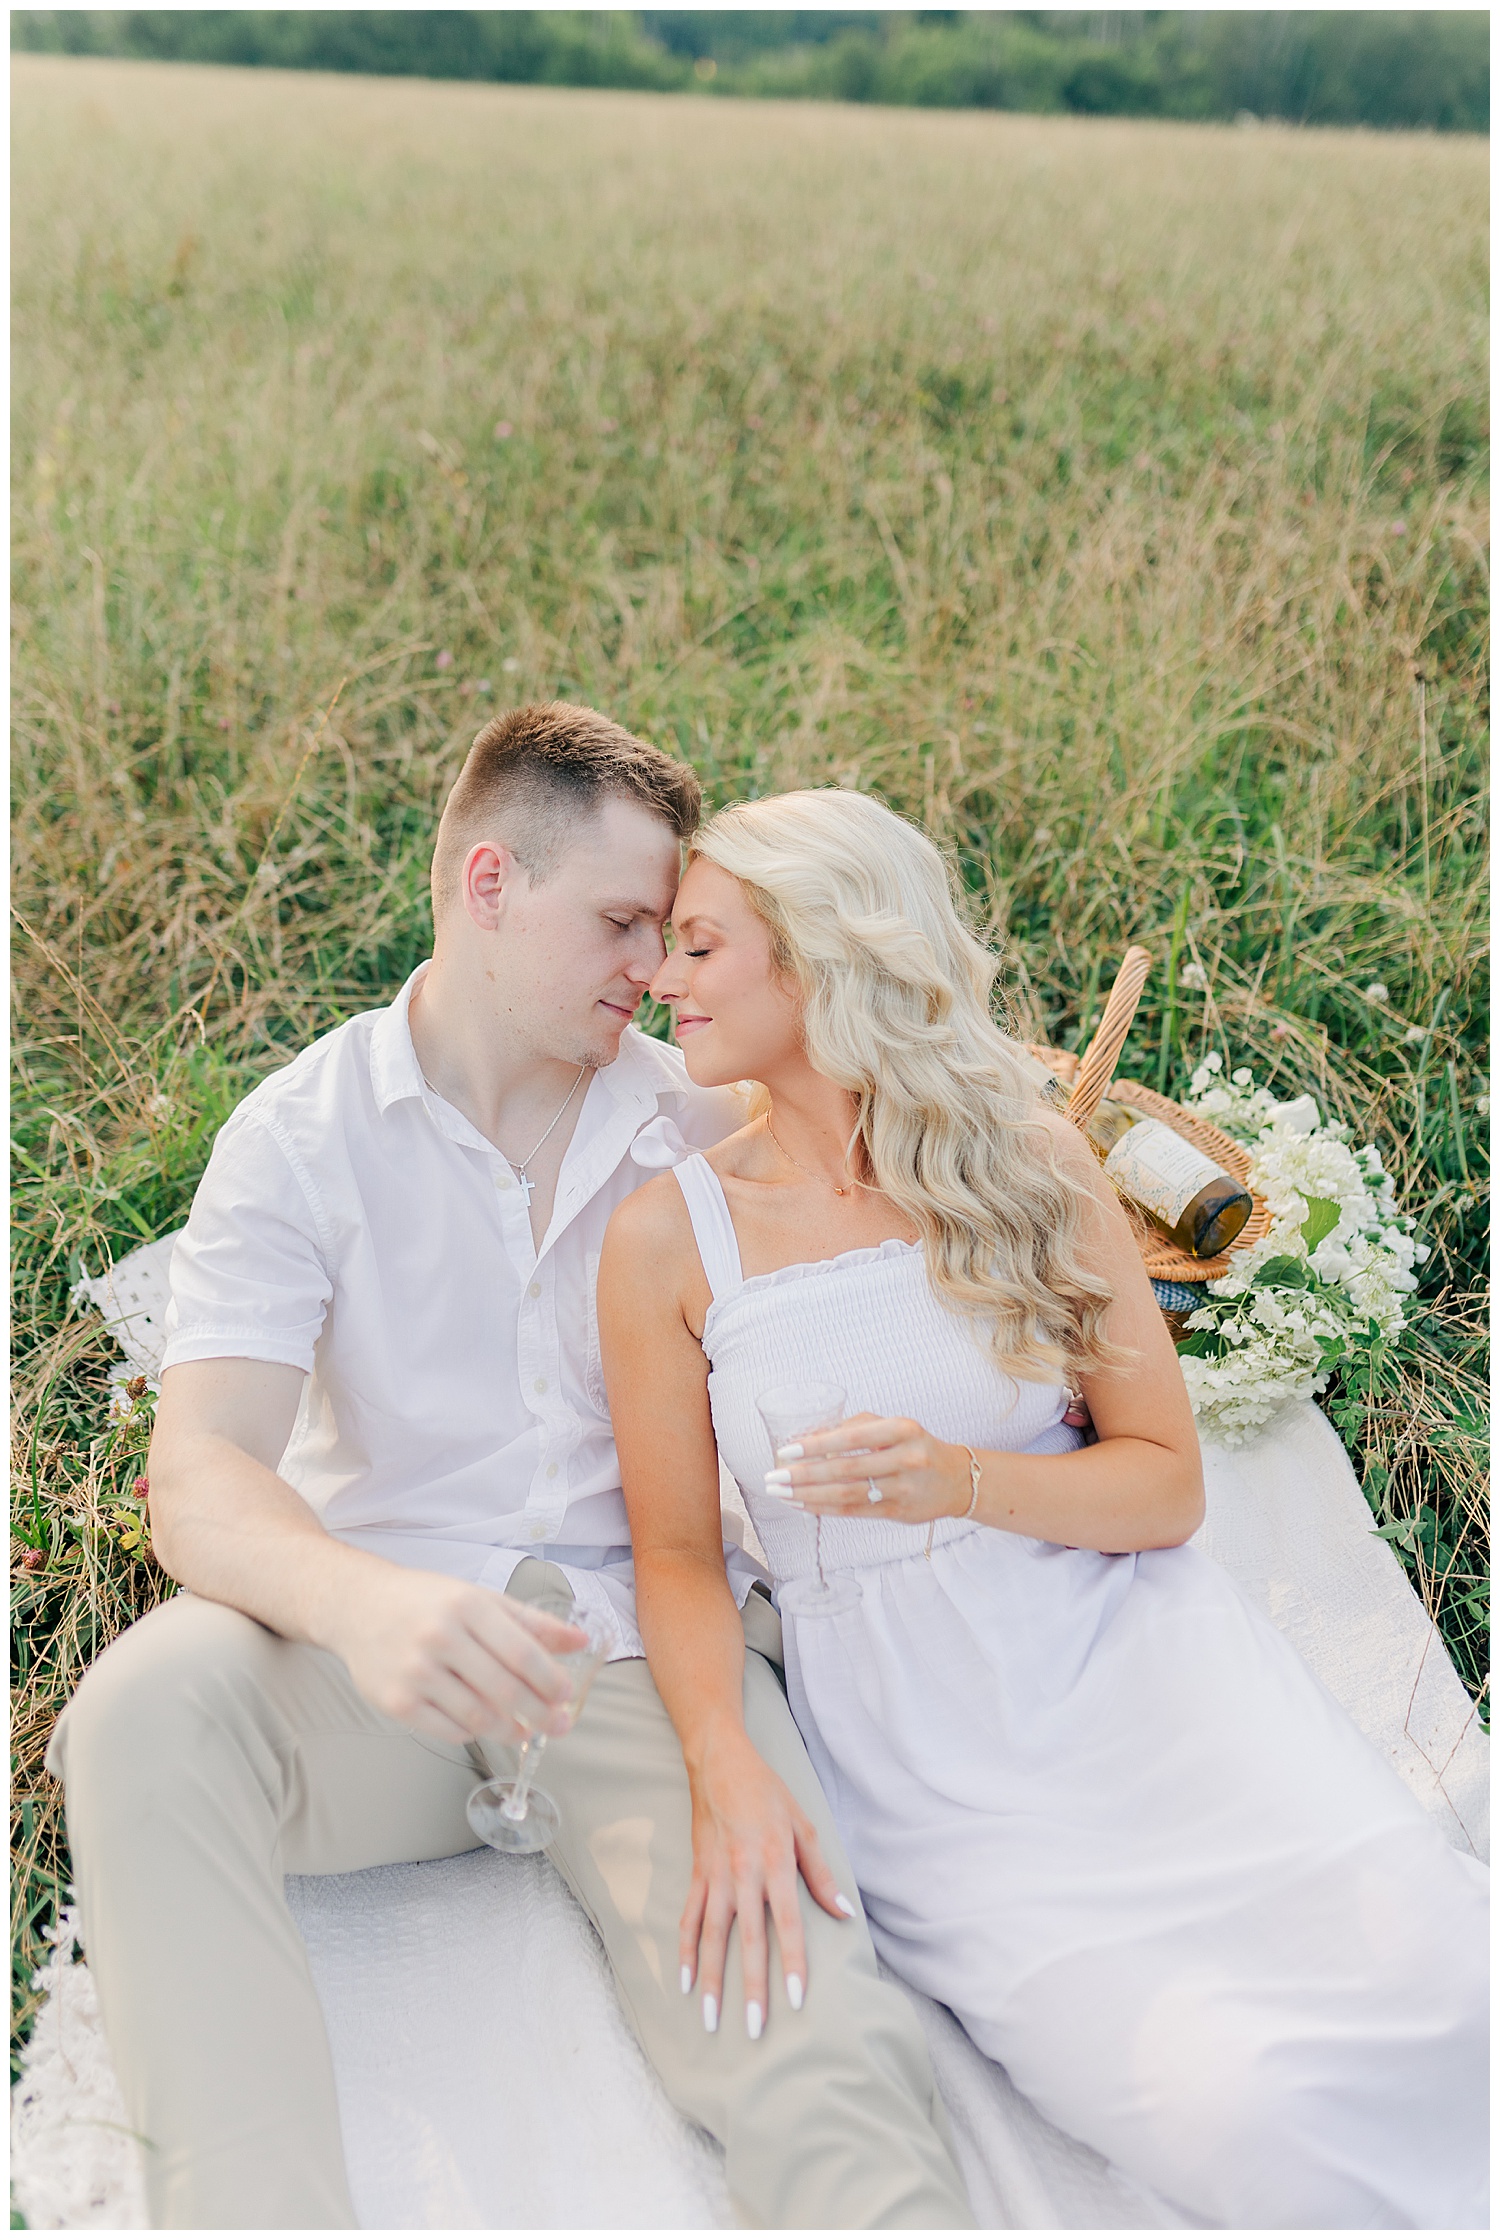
(1236, 1105)
(1277, 1336)
(1236, 1395)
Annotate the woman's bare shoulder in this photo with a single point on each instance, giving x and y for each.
(649, 1269)
(656, 1214)
(1069, 1145)
(653, 1218)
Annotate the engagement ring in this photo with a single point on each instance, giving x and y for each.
(874, 1494)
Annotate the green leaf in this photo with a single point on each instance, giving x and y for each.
(1285, 1272)
(1202, 1345)
(1322, 1220)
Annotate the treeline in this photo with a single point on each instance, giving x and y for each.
(1392, 68)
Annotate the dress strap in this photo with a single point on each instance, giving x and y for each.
(708, 1210)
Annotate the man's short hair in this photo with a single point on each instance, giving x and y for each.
(535, 774)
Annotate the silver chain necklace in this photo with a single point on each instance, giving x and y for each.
(523, 1179)
(520, 1165)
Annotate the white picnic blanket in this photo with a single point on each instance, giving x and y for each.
(487, 2077)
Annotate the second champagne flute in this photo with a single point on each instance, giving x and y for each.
(787, 1411)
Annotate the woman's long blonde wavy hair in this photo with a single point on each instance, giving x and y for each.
(896, 995)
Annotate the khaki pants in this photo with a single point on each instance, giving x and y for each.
(205, 1758)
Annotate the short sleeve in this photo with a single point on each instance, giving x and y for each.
(250, 1276)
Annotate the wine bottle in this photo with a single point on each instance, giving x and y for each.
(1201, 1208)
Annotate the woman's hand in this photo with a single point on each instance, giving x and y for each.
(830, 1473)
(750, 1836)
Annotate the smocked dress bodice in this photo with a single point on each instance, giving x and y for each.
(870, 1322)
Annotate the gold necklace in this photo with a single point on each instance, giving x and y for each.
(840, 1190)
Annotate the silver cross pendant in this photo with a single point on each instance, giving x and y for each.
(525, 1185)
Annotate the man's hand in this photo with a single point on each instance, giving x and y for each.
(451, 1659)
(750, 1836)
(455, 1660)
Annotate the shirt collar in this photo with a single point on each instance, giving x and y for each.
(394, 1071)
(644, 1071)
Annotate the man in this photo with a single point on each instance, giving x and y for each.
(381, 1431)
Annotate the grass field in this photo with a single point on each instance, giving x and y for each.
(1110, 495)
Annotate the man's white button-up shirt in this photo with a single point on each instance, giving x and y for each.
(354, 1225)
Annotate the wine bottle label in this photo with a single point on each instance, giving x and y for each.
(1161, 1170)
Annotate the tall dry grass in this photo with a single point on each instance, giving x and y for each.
(1111, 495)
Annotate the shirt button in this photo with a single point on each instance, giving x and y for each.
(537, 1532)
(552, 1469)
(540, 1385)
(502, 1182)
(534, 1291)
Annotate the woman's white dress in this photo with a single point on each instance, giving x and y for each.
(1098, 1806)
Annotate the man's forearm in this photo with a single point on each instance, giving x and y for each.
(695, 1644)
(445, 1656)
(251, 1542)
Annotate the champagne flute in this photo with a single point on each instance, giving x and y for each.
(513, 1815)
(788, 1411)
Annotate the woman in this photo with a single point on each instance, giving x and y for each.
(1093, 1800)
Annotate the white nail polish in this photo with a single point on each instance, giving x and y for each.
(844, 1906)
(791, 1452)
(754, 2021)
(794, 1993)
(687, 1980)
(710, 2012)
(778, 1477)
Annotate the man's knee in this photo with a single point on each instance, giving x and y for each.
(175, 1688)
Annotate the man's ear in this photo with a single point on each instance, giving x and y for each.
(489, 868)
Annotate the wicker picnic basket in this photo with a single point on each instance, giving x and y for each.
(1090, 1078)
